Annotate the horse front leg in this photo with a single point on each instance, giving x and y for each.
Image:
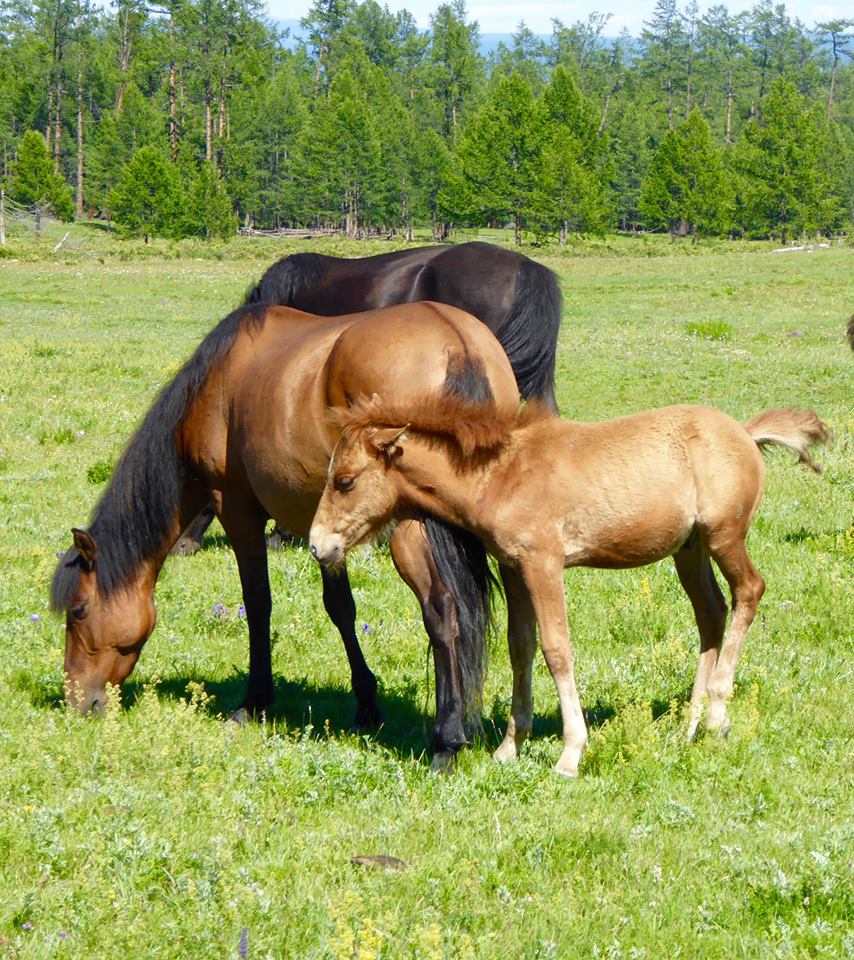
(522, 641)
(544, 581)
(339, 604)
(243, 520)
(413, 559)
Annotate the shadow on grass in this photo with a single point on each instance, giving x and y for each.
(329, 711)
(299, 704)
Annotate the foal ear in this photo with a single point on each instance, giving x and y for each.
(86, 546)
(388, 440)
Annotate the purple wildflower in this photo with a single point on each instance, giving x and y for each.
(218, 610)
(243, 948)
(367, 629)
(34, 618)
(60, 554)
(241, 611)
(27, 925)
(63, 935)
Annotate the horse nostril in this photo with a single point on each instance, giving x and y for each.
(313, 550)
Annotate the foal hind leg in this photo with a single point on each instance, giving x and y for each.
(522, 641)
(414, 561)
(747, 586)
(710, 610)
(338, 601)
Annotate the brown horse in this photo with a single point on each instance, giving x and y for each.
(245, 423)
(545, 494)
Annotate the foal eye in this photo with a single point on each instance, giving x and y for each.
(80, 611)
(345, 483)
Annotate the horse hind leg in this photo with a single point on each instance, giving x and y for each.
(747, 586)
(414, 561)
(341, 609)
(710, 611)
(522, 641)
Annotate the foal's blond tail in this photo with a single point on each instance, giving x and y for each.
(796, 429)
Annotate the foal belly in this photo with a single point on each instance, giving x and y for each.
(632, 541)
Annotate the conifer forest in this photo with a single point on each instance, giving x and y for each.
(201, 117)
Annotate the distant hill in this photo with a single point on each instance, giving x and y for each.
(488, 41)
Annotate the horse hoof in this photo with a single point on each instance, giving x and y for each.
(443, 762)
(185, 547)
(241, 716)
(368, 720)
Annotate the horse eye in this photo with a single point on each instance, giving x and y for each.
(80, 611)
(345, 483)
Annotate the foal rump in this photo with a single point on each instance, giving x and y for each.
(797, 430)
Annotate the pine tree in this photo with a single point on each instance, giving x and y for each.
(33, 182)
(787, 169)
(146, 201)
(206, 210)
(685, 188)
(494, 166)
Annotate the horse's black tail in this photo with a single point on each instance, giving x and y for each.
(283, 281)
(529, 331)
(461, 561)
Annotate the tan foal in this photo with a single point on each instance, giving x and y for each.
(545, 494)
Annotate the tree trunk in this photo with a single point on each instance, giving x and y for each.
(124, 61)
(57, 130)
(48, 134)
(208, 122)
(173, 110)
(517, 230)
(2, 217)
(80, 143)
(319, 66)
(562, 235)
(832, 85)
(729, 98)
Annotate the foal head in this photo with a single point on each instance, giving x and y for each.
(103, 634)
(378, 475)
(360, 496)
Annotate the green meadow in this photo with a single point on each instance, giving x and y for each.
(164, 830)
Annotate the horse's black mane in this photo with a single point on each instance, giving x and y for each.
(136, 511)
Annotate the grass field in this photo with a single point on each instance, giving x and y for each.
(163, 831)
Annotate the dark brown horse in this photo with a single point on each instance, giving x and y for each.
(245, 423)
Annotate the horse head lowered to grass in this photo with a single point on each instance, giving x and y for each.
(545, 494)
(246, 424)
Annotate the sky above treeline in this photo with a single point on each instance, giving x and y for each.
(504, 17)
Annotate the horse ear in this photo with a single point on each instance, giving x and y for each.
(388, 440)
(86, 546)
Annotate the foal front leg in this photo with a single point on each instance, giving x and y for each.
(544, 580)
(522, 641)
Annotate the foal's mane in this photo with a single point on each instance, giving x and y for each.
(472, 427)
(135, 513)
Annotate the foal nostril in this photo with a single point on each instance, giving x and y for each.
(313, 550)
